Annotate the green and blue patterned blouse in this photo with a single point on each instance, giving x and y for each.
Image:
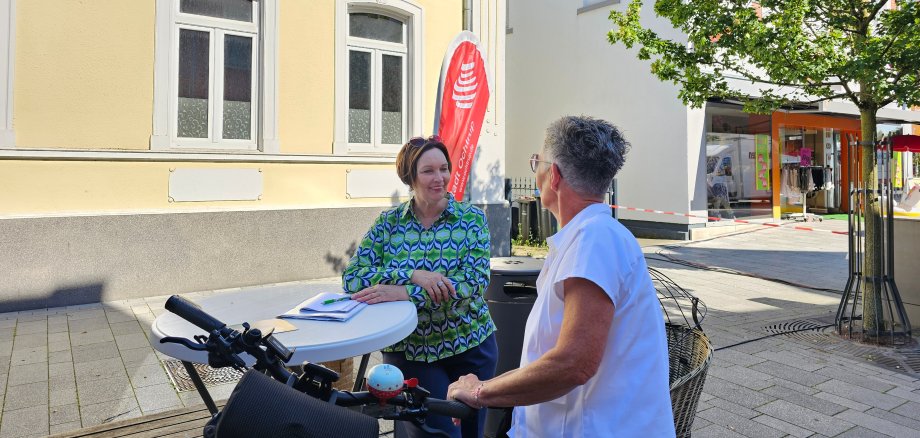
(456, 245)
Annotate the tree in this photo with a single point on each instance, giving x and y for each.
(793, 52)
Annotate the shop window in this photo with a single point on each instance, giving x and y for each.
(811, 172)
(901, 170)
(738, 163)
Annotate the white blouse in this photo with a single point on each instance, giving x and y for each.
(629, 395)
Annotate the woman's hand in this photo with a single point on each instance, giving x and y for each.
(381, 293)
(439, 287)
(466, 390)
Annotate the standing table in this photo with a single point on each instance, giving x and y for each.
(374, 327)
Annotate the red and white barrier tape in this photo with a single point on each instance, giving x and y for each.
(718, 219)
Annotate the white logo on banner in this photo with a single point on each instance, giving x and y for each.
(465, 87)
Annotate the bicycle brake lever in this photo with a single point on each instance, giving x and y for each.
(187, 343)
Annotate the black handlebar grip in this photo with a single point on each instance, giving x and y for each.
(349, 399)
(190, 312)
(450, 408)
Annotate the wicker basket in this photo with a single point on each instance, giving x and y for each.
(689, 354)
(689, 350)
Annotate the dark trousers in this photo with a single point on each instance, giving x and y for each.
(436, 376)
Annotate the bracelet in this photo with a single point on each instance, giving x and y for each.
(476, 396)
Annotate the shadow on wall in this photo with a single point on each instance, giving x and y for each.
(498, 215)
(495, 182)
(338, 262)
(65, 296)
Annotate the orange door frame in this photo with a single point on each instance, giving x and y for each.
(786, 119)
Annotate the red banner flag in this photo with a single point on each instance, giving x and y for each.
(463, 94)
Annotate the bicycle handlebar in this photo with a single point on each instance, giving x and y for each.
(448, 408)
(192, 313)
(225, 343)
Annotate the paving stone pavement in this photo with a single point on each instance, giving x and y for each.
(72, 367)
(784, 385)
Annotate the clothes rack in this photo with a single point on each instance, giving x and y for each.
(803, 178)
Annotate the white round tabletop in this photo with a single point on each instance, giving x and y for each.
(374, 327)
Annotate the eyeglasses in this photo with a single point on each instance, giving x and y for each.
(534, 159)
(422, 141)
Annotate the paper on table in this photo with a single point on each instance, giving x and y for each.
(315, 304)
(328, 312)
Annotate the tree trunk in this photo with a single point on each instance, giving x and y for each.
(873, 318)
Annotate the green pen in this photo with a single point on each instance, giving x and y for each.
(327, 302)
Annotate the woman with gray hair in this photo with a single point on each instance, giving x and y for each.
(595, 356)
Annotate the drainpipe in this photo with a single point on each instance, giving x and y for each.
(468, 15)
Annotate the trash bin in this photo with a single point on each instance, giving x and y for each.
(547, 225)
(515, 220)
(529, 217)
(510, 296)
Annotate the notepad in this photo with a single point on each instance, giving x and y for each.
(314, 309)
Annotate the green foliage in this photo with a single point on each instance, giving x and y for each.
(528, 240)
(799, 52)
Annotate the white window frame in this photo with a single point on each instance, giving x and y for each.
(263, 123)
(404, 56)
(377, 49)
(590, 5)
(411, 15)
(7, 56)
(508, 28)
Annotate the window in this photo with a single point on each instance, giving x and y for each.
(590, 5)
(210, 82)
(379, 76)
(376, 80)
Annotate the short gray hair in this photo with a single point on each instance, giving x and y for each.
(588, 151)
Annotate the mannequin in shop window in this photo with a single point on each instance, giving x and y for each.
(717, 185)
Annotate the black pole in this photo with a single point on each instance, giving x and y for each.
(199, 385)
(613, 199)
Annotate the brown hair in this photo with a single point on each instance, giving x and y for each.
(407, 160)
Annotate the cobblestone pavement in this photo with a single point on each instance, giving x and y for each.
(805, 384)
(66, 368)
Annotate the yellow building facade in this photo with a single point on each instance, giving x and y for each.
(165, 146)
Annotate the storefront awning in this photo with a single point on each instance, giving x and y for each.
(884, 115)
(905, 143)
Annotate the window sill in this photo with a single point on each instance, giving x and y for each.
(597, 5)
(179, 156)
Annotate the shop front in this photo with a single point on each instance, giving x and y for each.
(788, 165)
(902, 167)
(738, 178)
(810, 159)
(906, 221)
